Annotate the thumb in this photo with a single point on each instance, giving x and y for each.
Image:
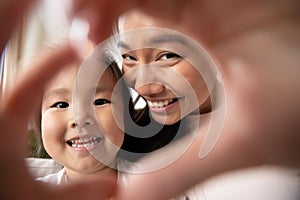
(89, 190)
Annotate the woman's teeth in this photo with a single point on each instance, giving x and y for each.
(83, 142)
(160, 104)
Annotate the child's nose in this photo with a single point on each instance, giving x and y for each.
(83, 114)
(82, 122)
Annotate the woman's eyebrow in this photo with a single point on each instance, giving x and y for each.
(123, 45)
(158, 39)
(168, 38)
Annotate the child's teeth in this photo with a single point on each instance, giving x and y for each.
(84, 142)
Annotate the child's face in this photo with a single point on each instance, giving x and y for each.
(70, 142)
(168, 98)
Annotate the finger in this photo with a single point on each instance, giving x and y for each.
(98, 190)
(28, 89)
(27, 188)
(189, 169)
(102, 15)
(11, 13)
(94, 12)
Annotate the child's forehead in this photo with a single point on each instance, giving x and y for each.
(67, 72)
(67, 77)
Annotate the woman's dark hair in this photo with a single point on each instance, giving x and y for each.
(134, 148)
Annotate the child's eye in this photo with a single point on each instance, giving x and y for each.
(99, 102)
(128, 57)
(168, 56)
(60, 104)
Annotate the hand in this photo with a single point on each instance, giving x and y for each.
(103, 14)
(256, 45)
(257, 58)
(16, 108)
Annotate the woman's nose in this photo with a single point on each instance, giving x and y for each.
(145, 80)
(150, 89)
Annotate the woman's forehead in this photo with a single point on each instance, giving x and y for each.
(134, 19)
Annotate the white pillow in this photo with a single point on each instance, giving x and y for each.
(39, 167)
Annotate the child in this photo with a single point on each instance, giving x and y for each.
(84, 140)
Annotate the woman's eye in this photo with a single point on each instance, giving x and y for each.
(60, 104)
(168, 56)
(99, 102)
(128, 57)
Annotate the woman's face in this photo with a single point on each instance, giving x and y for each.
(164, 78)
(72, 142)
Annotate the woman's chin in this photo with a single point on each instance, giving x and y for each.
(166, 120)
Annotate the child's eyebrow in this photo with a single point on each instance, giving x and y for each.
(103, 88)
(56, 91)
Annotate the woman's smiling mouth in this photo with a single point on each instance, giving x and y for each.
(160, 106)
